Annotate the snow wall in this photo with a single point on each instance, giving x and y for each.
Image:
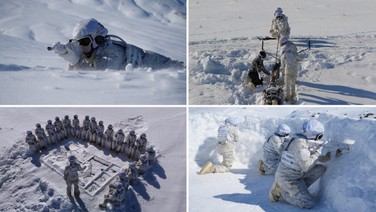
(348, 184)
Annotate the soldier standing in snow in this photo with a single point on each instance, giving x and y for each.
(130, 142)
(280, 26)
(71, 175)
(76, 126)
(150, 153)
(227, 135)
(142, 164)
(273, 148)
(119, 141)
(140, 146)
(85, 128)
(109, 138)
(93, 128)
(59, 128)
(298, 170)
(52, 135)
(32, 141)
(93, 49)
(257, 67)
(42, 137)
(289, 66)
(131, 173)
(67, 126)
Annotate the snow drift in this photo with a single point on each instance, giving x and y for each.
(347, 185)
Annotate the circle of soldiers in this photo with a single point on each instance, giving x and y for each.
(136, 149)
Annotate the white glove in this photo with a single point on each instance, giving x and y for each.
(59, 48)
(70, 52)
(318, 152)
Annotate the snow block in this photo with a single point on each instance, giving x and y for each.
(97, 174)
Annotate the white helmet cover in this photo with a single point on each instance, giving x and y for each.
(283, 129)
(313, 128)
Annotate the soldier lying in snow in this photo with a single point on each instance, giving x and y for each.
(92, 49)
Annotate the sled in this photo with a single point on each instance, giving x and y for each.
(207, 168)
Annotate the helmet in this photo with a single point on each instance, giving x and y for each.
(75, 117)
(313, 129)
(132, 132)
(29, 132)
(283, 40)
(120, 131)
(150, 148)
(278, 12)
(262, 54)
(122, 175)
(110, 126)
(132, 165)
(231, 121)
(66, 117)
(57, 118)
(87, 117)
(72, 158)
(143, 157)
(89, 28)
(37, 125)
(283, 130)
(100, 122)
(92, 118)
(118, 186)
(143, 135)
(49, 122)
(272, 84)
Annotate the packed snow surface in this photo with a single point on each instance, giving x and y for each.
(338, 70)
(31, 182)
(347, 185)
(29, 74)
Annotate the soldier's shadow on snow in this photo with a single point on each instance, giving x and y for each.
(140, 188)
(158, 170)
(81, 205)
(35, 159)
(258, 187)
(207, 151)
(150, 178)
(336, 89)
(132, 203)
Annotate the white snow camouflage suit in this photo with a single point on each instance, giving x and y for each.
(280, 27)
(289, 67)
(272, 153)
(297, 171)
(117, 55)
(227, 134)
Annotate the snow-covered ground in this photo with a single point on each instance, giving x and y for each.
(27, 183)
(347, 185)
(337, 70)
(29, 74)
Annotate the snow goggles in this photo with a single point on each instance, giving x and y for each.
(85, 41)
(319, 136)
